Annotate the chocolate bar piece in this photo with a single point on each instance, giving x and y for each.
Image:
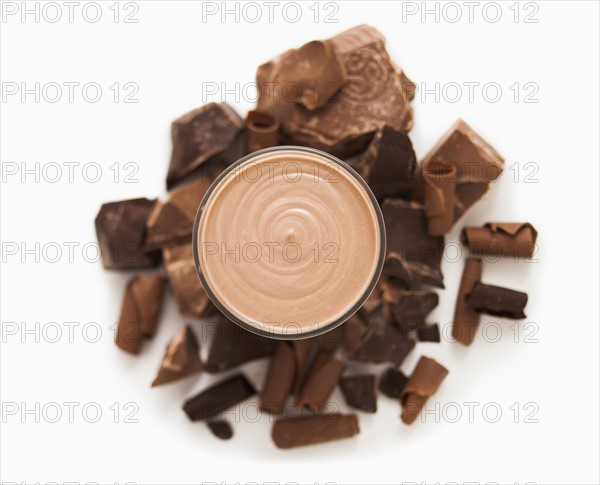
(383, 343)
(497, 301)
(392, 382)
(320, 383)
(200, 135)
(422, 384)
(221, 429)
(192, 300)
(354, 331)
(439, 192)
(429, 333)
(510, 239)
(139, 312)
(121, 229)
(413, 256)
(280, 379)
(312, 430)
(262, 131)
(233, 346)
(466, 318)
(412, 307)
(216, 399)
(359, 392)
(181, 358)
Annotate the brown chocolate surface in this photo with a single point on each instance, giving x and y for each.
(466, 318)
(262, 131)
(279, 380)
(497, 301)
(383, 343)
(359, 392)
(392, 382)
(429, 333)
(221, 429)
(412, 307)
(422, 384)
(510, 239)
(312, 430)
(181, 359)
(320, 383)
(439, 192)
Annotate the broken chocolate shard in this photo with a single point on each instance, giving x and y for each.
(192, 300)
(221, 429)
(392, 382)
(200, 135)
(218, 398)
(233, 346)
(429, 333)
(497, 301)
(312, 430)
(121, 229)
(383, 343)
(331, 340)
(510, 239)
(181, 358)
(320, 383)
(412, 307)
(279, 380)
(262, 131)
(354, 331)
(359, 392)
(422, 384)
(439, 192)
(466, 318)
(139, 312)
(413, 256)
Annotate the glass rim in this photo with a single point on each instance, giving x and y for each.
(346, 315)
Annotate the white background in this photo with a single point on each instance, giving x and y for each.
(169, 53)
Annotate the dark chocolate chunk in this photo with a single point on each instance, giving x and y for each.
(429, 333)
(200, 135)
(422, 384)
(359, 392)
(121, 229)
(279, 380)
(412, 307)
(383, 343)
(320, 383)
(216, 399)
(262, 131)
(330, 341)
(392, 382)
(221, 429)
(139, 312)
(466, 318)
(510, 239)
(354, 331)
(439, 192)
(413, 256)
(181, 358)
(312, 430)
(233, 346)
(497, 301)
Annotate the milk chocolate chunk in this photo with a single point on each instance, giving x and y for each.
(373, 96)
(221, 429)
(181, 358)
(233, 346)
(280, 379)
(121, 229)
(359, 392)
(497, 301)
(412, 307)
(320, 383)
(304, 351)
(312, 430)
(139, 312)
(192, 300)
(389, 163)
(429, 333)
(383, 343)
(199, 136)
(439, 191)
(413, 256)
(262, 131)
(392, 382)
(466, 318)
(422, 384)
(510, 239)
(216, 399)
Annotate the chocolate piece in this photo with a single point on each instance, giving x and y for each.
(374, 95)
(511, 239)
(466, 319)
(321, 382)
(413, 256)
(192, 300)
(199, 136)
(280, 379)
(139, 312)
(429, 333)
(303, 349)
(171, 222)
(312, 430)
(383, 343)
(412, 307)
(262, 131)
(330, 341)
(497, 301)
(439, 191)
(120, 229)
(233, 346)
(392, 382)
(389, 164)
(422, 384)
(216, 399)
(354, 331)
(181, 358)
(221, 429)
(359, 392)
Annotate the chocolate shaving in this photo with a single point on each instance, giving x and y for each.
(466, 319)
(221, 429)
(280, 379)
(312, 430)
(320, 383)
(392, 382)
(429, 333)
(262, 131)
(359, 392)
(181, 358)
(497, 301)
(412, 307)
(510, 239)
(440, 190)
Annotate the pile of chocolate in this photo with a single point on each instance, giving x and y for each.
(344, 96)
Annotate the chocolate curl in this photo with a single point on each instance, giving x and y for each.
(510, 239)
(262, 131)
(304, 350)
(439, 192)
(466, 318)
(139, 312)
(280, 379)
(422, 384)
(321, 382)
(181, 358)
(497, 301)
(312, 430)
